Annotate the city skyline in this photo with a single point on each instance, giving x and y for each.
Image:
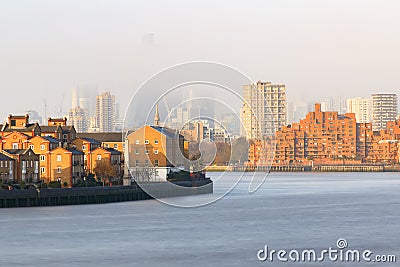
(294, 110)
(312, 52)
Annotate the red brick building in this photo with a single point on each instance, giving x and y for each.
(331, 138)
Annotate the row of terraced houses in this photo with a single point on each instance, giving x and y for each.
(54, 152)
(330, 138)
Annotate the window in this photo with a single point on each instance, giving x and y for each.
(5, 163)
(32, 147)
(15, 145)
(137, 163)
(106, 145)
(84, 157)
(137, 151)
(98, 157)
(146, 142)
(13, 123)
(156, 151)
(42, 147)
(83, 147)
(115, 146)
(58, 169)
(147, 163)
(1, 164)
(42, 158)
(58, 157)
(146, 152)
(137, 142)
(31, 163)
(42, 170)
(156, 141)
(156, 163)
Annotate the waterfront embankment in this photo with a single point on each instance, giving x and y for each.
(100, 195)
(307, 168)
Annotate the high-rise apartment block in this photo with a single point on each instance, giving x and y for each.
(384, 109)
(105, 112)
(361, 107)
(79, 117)
(264, 110)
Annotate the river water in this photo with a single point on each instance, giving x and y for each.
(291, 211)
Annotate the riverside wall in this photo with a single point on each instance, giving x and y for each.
(100, 195)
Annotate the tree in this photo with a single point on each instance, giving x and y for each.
(223, 154)
(240, 150)
(194, 152)
(104, 170)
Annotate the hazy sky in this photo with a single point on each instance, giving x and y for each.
(317, 48)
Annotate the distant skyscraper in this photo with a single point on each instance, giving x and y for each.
(79, 118)
(34, 116)
(361, 107)
(78, 115)
(384, 109)
(290, 113)
(84, 103)
(93, 127)
(264, 110)
(300, 112)
(326, 106)
(75, 95)
(106, 112)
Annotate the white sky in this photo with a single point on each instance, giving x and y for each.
(317, 48)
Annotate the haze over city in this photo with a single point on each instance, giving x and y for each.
(318, 49)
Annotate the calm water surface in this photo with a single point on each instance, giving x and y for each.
(290, 211)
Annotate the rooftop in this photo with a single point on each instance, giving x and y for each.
(16, 151)
(102, 137)
(4, 157)
(170, 133)
(113, 151)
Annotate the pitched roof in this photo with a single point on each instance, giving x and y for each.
(5, 157)
(18, 132)
(49, 129)
(53, 128)
(16, 151)
(28, 128)
(113, 151)
(91, 140)
(51, 139)
(75, 152)
(102, 137)
(67, 129)
(170, 133)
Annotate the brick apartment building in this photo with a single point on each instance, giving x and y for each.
(331, 138)
(30, 152)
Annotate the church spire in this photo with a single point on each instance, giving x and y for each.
(157, 117)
